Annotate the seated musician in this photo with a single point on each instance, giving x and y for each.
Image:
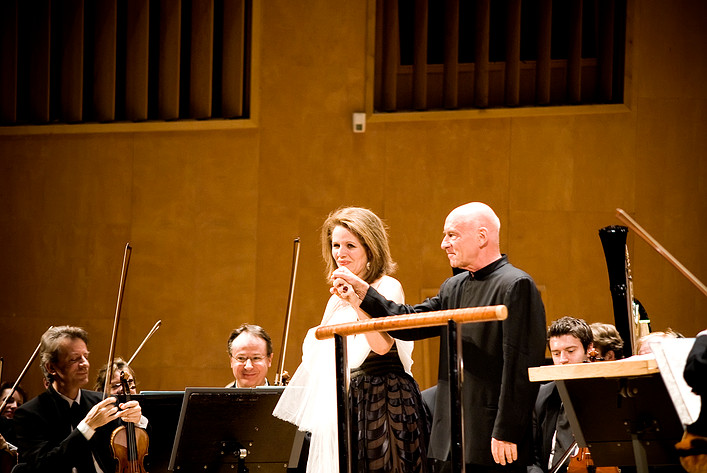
(250, 351)
(116, 387)
(607, 342)
(68, 429)
(569, 339)
(7, 429)
(643, 347)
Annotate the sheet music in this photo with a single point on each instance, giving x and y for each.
(671, 354)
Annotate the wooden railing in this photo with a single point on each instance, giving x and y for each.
(452, 318)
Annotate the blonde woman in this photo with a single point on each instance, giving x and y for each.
(390, 425)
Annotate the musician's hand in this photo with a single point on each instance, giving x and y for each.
(503, 452)
(102, 413)
(130, 411)
(348, 286)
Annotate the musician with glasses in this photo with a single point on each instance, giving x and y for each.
(116, 387)
(250, 351)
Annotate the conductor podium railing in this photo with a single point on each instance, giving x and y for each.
(451, 318)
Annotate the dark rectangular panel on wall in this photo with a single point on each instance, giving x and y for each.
(391, 55)
(39, 53)
(169, 64)
(71, 95)
(378, 61)
(78, 61)
(512, 80)
(233, 57)
(8, 61)
(606, 49)
(574, 60)
(202, 53)
(419, 67)
(451, 54)
(542, 72)
(104, 59)
(137, 56)
(481, 54)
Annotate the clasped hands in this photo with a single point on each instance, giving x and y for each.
(348, 286)
(107, 411)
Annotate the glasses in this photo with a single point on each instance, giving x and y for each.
(131, 385)
(242, 359)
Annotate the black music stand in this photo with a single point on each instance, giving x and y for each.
(227, 429)
(624, 420)
(161, 408)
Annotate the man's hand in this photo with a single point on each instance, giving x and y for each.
(503, 452)
(102, 413)
(348, 286)
(131, 411)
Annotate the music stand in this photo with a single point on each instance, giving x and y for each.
(161, 408)
(623, 420)
(233, 429)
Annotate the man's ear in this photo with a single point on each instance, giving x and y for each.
(483, 236)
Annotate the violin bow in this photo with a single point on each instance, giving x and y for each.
(22, 374)
(121, 290)
(154, 329)
(281, 362)
(631, 223)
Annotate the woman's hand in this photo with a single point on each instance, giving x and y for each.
(348, 286)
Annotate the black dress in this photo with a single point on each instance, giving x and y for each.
(390, 424)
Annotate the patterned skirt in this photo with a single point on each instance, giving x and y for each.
(390, 424)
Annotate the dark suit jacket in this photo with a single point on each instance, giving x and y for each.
(547, 408)
(696, 377)
(47, 443)
(498, 397)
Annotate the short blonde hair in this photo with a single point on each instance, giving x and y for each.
(51, 343)
(370, 230)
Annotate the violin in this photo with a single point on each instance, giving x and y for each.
(582, 462)
(129, 443)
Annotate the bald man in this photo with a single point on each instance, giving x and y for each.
(497, 394)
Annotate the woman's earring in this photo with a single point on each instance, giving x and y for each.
(368, 265)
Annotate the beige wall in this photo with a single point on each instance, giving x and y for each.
(212, 214)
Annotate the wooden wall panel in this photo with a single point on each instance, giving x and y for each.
(104, 60)
(234, 28)
(211, 214)
(71, 94)
(170, 58)
(40, 62)
(137, 58)
(202, 54)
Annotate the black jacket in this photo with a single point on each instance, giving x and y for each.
(498, 397)
(47, 443)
